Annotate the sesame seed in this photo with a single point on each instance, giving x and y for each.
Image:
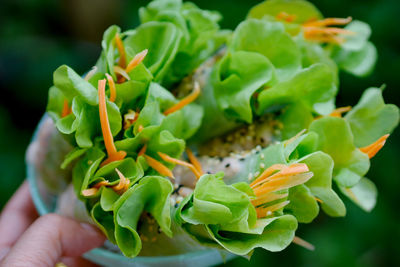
(262, 165)
(256, 174)
(269, 213)
(262, 156)
(250, 176)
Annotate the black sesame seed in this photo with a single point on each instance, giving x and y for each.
(208, 172)
(241, 159)
(176, 205)
(177, 189)
(227, 165)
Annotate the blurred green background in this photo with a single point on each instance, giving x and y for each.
(36, 36)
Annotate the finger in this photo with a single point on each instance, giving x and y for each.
(50, 238)
(77, 262)
(16, 217)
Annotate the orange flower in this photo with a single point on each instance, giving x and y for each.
(318, 30)
(276, 178)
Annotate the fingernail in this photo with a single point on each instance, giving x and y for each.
(4, 252)
(89, 227)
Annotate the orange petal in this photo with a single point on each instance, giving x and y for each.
(194, 160)
(266, 211)
(101, 183)
(121, 51)
(268, 172)
(282, 183)
(373, 148)
(120, 155)
(328, 22)
(136, 61)
(121, 72)
(158, 166)
(180, 162)
(142, 150)
(89, 192)
(339, 111)
(123, 181)
(185, 101)
(263, 199)
(105, 126)
(113, 90)
(66, 109)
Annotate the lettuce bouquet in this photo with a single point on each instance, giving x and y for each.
(185, 136)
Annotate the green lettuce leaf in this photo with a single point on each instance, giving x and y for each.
(71, 84)
(162, 133)
(214, 202)
(271, 40)
(240, 74)
(85, 168)
(227, 215)
(371, 118)
(277, 233)
(106, 65)
(364, 194)
(151, 194)
(360, 62)
(303, 10)
(200, 32)
(336, 139)
(311, 86)
(302, 204)
(320, 185)
(356, 55)
(161, 53)
(295, 118)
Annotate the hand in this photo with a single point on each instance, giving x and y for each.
(26, 240)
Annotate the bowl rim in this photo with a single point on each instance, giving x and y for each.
(98, 252)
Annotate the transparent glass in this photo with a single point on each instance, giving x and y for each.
(45, 202)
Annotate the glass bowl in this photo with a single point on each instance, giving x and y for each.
(45, 202)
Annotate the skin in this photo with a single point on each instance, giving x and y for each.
(29, 240)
